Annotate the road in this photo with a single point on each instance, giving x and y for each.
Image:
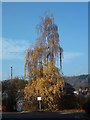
(45, 116)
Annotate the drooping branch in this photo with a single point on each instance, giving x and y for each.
(46, 49)
(61, 55)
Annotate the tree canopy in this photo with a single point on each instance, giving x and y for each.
(43, 65)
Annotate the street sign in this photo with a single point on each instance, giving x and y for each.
(39, 101)
(38, 98)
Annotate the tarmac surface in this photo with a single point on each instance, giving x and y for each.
(44, 115)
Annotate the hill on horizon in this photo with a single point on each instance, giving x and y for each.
(78, 81)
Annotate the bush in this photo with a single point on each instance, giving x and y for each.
(29, 106)
(86, 106)
(68, 102)
(80, 102)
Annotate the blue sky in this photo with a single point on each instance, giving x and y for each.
(18, 34)
(45, 0)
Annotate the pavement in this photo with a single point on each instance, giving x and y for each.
(45, 115)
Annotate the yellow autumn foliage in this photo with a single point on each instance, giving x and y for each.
(49, 90)
(45, 78)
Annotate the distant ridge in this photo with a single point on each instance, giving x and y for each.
(78, 81)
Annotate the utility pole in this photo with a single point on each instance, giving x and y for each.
(11, 72)
(10, 86)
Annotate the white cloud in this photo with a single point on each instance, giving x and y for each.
(68, 56)
(14, 49)
(0, 59)
(0, 75)
(0, 48)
